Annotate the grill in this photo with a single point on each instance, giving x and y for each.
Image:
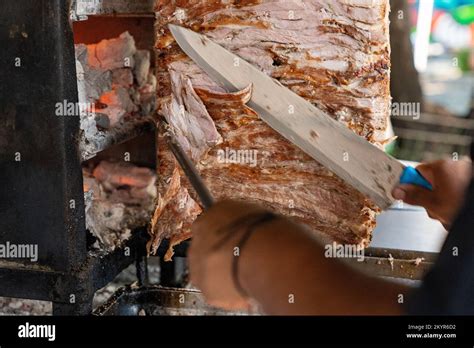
(41, 191)
(42, 199)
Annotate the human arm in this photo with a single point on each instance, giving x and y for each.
(282, 267)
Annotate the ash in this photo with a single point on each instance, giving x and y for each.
(119, 197)
(15, 306)
(117, 84)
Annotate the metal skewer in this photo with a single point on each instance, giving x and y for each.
(190, 170)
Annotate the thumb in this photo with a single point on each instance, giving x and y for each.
(414, 195)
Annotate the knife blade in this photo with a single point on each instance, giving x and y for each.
(359, 163)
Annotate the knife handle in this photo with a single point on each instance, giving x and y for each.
(412, 176)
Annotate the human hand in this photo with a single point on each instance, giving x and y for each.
(449, 179)
(212, 252)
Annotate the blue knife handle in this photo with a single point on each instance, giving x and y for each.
(412, 176)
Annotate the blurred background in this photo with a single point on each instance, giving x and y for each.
(432, 68)
(432, 87)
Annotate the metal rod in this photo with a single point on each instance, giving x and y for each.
(190, 170)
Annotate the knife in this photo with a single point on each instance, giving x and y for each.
(359, 163)
(191, 172)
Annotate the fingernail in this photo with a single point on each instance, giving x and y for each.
(398, 194)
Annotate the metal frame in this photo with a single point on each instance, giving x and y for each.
(81, 9)
(382, 262)
(395, 263)
(41, 191)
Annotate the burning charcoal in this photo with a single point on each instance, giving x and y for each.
(150, 86)
(122, 77)
(97, 82)
(147, 96)
(119, 198)
(152, 81)
(106, 80)
(115, 175)
(135, 95)
(105, 220)
(89, 126)
(16, 304)
(92, 82)
(102, 121)
(81, 53)
(81, 83)
(147, 104)
(142, 66)
(114, 53)
(118, 103)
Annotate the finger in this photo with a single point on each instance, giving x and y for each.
(414, 195)
(427, 171)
